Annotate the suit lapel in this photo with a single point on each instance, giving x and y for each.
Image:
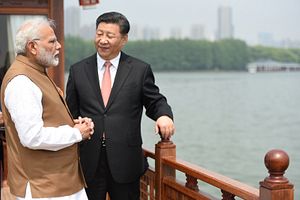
(91, 71)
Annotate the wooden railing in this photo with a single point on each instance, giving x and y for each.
(160, 182)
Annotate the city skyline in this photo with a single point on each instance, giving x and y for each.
(251, 18)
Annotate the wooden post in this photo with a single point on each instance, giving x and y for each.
(56, 12)
(276, 186)
(163, 149)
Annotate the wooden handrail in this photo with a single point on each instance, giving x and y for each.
(222, 182)
(149, 153)
(273, 187)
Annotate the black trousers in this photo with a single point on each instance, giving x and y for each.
(103, 183)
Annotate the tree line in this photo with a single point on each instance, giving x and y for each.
(172, 54)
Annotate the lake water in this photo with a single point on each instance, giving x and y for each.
(227, 121)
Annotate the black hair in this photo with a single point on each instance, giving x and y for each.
(114, 18)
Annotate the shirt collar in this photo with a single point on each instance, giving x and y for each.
(115, 61)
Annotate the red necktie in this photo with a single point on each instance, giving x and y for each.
(106, 83)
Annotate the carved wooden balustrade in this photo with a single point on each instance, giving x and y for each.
(161, 183)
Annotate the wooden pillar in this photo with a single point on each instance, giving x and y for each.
(56, 12)
(276, 186)
(163, 149)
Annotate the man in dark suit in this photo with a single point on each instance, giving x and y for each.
(113, 159)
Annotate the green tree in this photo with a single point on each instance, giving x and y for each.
(172, 54)
(76, 49)
(231, 54)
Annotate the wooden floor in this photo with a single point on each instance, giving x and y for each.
(5, 194)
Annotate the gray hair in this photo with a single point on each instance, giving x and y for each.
(29, 31)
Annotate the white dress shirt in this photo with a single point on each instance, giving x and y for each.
(113, 69)
(23, 100)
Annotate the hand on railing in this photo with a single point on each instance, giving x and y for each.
(164, 126)
(162, 139)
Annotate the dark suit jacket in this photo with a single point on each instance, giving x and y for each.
(133, 89)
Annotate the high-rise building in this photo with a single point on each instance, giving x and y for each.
(150, 33)
(136, 32)
(175, 33)
(266, 39)
(225, 27)
(197, 32)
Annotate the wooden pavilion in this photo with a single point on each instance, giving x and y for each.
(159, 182)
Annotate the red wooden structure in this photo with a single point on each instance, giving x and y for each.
(88, 2)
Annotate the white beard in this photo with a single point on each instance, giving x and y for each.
(47, 59)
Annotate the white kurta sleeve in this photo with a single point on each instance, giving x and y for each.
(23, 100)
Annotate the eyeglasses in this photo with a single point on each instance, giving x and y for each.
(53, 41)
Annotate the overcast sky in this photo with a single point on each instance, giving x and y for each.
(281, 18)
